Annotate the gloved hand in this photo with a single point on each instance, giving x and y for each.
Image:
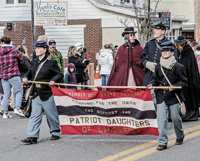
(151, 66)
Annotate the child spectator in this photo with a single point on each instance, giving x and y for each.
(166, 99)
(70, 77)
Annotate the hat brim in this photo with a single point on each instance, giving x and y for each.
(180, 41)
(128, 32)
(158, 27)
(52, 43)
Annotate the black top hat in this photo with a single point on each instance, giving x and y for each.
(159, 25)
(52, 41)
(128, 30)
(167, 45)
(180, 40)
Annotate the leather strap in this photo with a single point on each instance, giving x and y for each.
(169, 83)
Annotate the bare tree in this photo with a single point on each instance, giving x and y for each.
(141, 20)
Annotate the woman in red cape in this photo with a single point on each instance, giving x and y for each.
(127, 68)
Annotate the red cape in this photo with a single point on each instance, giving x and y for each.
(123, 62)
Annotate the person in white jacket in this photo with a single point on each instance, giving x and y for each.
(106, 62)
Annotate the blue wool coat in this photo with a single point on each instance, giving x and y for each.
(152, 53)
(177, 76)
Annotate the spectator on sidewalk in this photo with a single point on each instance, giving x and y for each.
(78, 62)
(10, 75)
(56, 55)
(194, 45)
(106, 62)
(70, 77)
(83, 56)
(23, 68)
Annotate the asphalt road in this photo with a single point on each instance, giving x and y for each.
(91, 147)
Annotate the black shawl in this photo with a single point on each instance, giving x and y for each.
(192, 91)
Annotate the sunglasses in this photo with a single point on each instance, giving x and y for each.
(132, 35)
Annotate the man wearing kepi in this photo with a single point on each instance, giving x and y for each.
(43, 69)
(151, 54)
(169, 73)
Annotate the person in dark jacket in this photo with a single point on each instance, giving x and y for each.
(79, 64)
(151, 54)
(127, 69)
(42, 97)
(192, 92)
(167, 101)
(81, 54)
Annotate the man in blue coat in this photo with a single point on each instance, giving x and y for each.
(151, 54)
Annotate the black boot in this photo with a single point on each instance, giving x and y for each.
(179, 141)
(54, 137)
(161, 147)
(29, 140)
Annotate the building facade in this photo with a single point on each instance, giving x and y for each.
(87, 24)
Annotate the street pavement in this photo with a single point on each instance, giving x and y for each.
(94, 147)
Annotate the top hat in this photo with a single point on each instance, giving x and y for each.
(180, 40)
(159, 25)
(128, 30)
(52, 41)
(42, 44)
(167, 45)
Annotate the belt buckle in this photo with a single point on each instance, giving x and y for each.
(38, 85)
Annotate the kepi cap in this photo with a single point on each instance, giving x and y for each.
(42, 44)
(167, 45)
(159, 25)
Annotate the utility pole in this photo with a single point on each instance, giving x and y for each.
(32, 30)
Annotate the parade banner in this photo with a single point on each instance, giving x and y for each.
(50, 13)
(125, 112)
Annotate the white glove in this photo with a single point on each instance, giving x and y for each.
(151, 66)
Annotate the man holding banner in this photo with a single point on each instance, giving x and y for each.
(167, 73)
(46, 70)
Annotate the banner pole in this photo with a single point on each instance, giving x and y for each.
(122, 87)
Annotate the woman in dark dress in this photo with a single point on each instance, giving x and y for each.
(192, 91)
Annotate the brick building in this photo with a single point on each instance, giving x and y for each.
(87, 24)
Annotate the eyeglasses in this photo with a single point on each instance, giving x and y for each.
(132, 35)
